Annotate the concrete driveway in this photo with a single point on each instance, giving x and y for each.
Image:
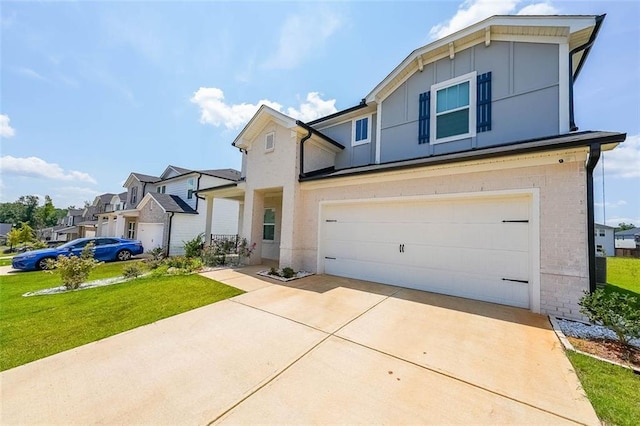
(318, 350)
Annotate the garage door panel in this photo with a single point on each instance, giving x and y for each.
(467, 247)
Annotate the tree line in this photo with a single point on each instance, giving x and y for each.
(27, 209)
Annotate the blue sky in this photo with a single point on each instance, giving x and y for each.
(91, 91)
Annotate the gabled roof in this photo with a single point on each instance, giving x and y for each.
(123, 196)
(266, 114)
(75, 212)
(228, 174)
(103, 198)
(576, 30)
(145, 178)
(601, 226)
(628, 232)
(177, 170)
(169, 203)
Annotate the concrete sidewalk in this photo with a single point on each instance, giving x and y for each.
(317, 350)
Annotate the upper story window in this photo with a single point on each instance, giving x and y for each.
(161, 189)
(453, 111)
(191, 186)
(601, 232)
(134, 195)
(361, 131)
(269, 141)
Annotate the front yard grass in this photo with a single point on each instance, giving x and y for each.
(35, 327)
(612, 390)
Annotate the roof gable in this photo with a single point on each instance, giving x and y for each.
(576, 30)
(168, 203)
(140, 177)
(260, 119)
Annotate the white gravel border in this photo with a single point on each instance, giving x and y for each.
(85, 286)
(559, 324)
(298, 275)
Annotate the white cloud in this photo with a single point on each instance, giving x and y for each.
(624, 161)
(618, 203)
(37, 167)
(6, 131)
(214, 110)
(544, 8)
(472, 11)
(301, 36)
(313, 108)
(28, 72)
(615, 221)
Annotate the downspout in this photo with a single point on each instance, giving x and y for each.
(586, 47)
(592, 161)
(169, 232)
(198, 187)
(302, 141)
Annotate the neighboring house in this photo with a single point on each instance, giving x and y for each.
(462, 172)
(165, 211)
(604, 240)
(5, 228)
(628, 239)
(70, 229)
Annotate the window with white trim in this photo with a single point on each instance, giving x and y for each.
(131, 230)
(161, 189)
(269, 141)
(361, 131)
(601, 232)
(269, 225)
(134, 195)
(453, 111)
(191, 186)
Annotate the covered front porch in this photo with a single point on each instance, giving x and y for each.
(260, 220)
(120, 224)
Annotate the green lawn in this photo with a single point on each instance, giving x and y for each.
(613, 391)
(623, 274)
(5, 262)
(35, 327)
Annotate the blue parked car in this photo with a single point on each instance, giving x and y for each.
(106, 249)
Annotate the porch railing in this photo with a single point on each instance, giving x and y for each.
(225, 243)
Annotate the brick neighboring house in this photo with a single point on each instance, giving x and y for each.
(462, 172)
(165, 211)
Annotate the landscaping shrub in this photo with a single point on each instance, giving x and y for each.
(274, 271)
(245, 249)
(132, 270)
(193, 248)
(616, 311)
(183, 264)
(157, 253)
(74, 270)
(288, 272)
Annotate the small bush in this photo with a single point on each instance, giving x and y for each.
(193, 248)
(74, 270)
(157, 253)
(274, 271)
(618, 312)
(153, 263)
(38, 245)
(245, 249)
(212, 256)
(132, 270)
(184, 264)
(288, 272)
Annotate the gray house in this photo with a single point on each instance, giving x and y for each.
(628, 239)
(455, 174)
(604, 240)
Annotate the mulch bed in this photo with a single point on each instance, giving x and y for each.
(608, 349)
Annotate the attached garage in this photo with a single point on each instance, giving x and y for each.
(482, 247)
(151, 235)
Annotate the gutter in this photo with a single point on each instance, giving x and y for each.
(169, 232)
(311, 130)
(587, 48)
(592, 161)
(302, 141)
(362, 104)
(197, 186)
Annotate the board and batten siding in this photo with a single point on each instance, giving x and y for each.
(184, 227)
(525, 98)
(352, 156)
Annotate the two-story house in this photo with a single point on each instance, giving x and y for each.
(462, 172)
(165, 211)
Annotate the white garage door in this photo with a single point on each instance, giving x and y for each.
(475, 247)
(151, 235)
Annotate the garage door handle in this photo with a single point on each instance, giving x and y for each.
(516, 221)
(516, 281)
(401, 248)
(331, 258)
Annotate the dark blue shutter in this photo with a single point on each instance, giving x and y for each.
(483, 110)
(424, 116)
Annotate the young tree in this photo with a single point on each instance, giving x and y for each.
(13, 237)
(26, 233)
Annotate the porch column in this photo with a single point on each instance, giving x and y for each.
(289, 256)
(252, 223)
(208, 221)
